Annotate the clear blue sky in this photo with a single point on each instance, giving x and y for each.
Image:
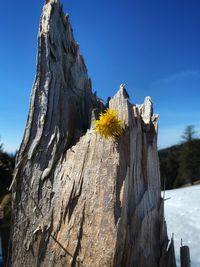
(151, 46)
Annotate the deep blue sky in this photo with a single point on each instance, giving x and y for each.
(151, 46)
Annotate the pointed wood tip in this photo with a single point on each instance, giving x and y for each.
(52, 2)
(122, 90)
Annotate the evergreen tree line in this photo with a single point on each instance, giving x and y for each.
(7, 163)
(180, 164)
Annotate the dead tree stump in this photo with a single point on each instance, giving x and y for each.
(78, 199)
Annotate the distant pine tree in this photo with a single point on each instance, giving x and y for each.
(180, 165)
(189, 133)
(189, 161)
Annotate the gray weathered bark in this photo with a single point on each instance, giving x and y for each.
(81, 200)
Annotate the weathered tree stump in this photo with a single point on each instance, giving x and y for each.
(81, 200)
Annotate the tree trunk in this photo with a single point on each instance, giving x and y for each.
(81, 200)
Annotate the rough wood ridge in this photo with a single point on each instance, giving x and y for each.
(81, 200)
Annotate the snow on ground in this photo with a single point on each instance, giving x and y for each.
(182, 213)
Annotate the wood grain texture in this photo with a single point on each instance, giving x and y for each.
(81, 200)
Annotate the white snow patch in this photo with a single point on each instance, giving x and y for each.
(182, 213)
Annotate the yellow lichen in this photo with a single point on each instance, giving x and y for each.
(108, 125)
